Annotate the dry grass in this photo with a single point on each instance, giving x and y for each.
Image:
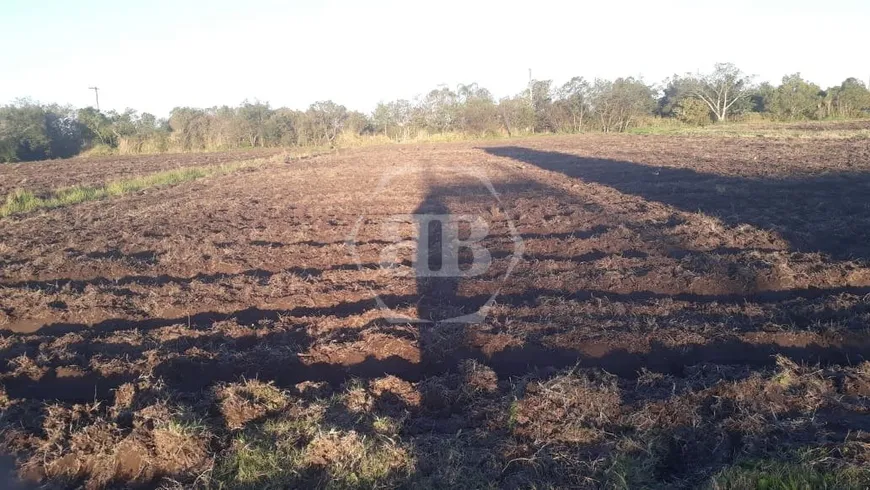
(300, 445)
(569, 409)
(241, 403)
(579, 428)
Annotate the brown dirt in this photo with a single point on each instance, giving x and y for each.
(672, 291)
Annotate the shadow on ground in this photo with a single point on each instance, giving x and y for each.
(826, 213)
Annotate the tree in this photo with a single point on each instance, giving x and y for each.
(440, 110)
(574, 97)
(147, 123)
(852, 98)
(676, 88)
(65, 133)
(124, 124)
(282, 127)
(464, 92)
(619, 103)
(476, 112)
(516, 114)
(31, 131)
(252, 117)
(358, 123)
(721, 89)
(677, 101)
(692, 111)
(225, 128)
(323, 121)
(381, 118)
(541, 97)
(191, 127)
(97, 125)
(762, 97)
(24, 132)
(394, 118)
(796, 98)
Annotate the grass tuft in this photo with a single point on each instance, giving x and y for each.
(20, 201)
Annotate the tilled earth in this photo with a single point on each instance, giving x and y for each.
(656, 311)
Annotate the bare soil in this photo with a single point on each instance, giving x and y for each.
(681, 305)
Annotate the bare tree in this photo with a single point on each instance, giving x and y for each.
(722, 88)
(323, 121)
(574, 96)
(619, 103)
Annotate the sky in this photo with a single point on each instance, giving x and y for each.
(156, 55)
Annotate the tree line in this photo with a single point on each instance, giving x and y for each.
(33, 131)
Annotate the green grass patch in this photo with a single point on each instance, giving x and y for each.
(777, 475)
(258, 460)
(300, 448)
(20, 201)
(828, 130)
(264, 458)
(23, 201)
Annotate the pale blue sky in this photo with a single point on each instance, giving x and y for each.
(155, 55)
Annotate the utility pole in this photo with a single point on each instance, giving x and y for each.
(531, 99)
(530, 86)
(97, 95)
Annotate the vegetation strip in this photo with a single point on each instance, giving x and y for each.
(23, 201)
(679, 104)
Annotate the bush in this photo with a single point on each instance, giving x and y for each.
(693, 111)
